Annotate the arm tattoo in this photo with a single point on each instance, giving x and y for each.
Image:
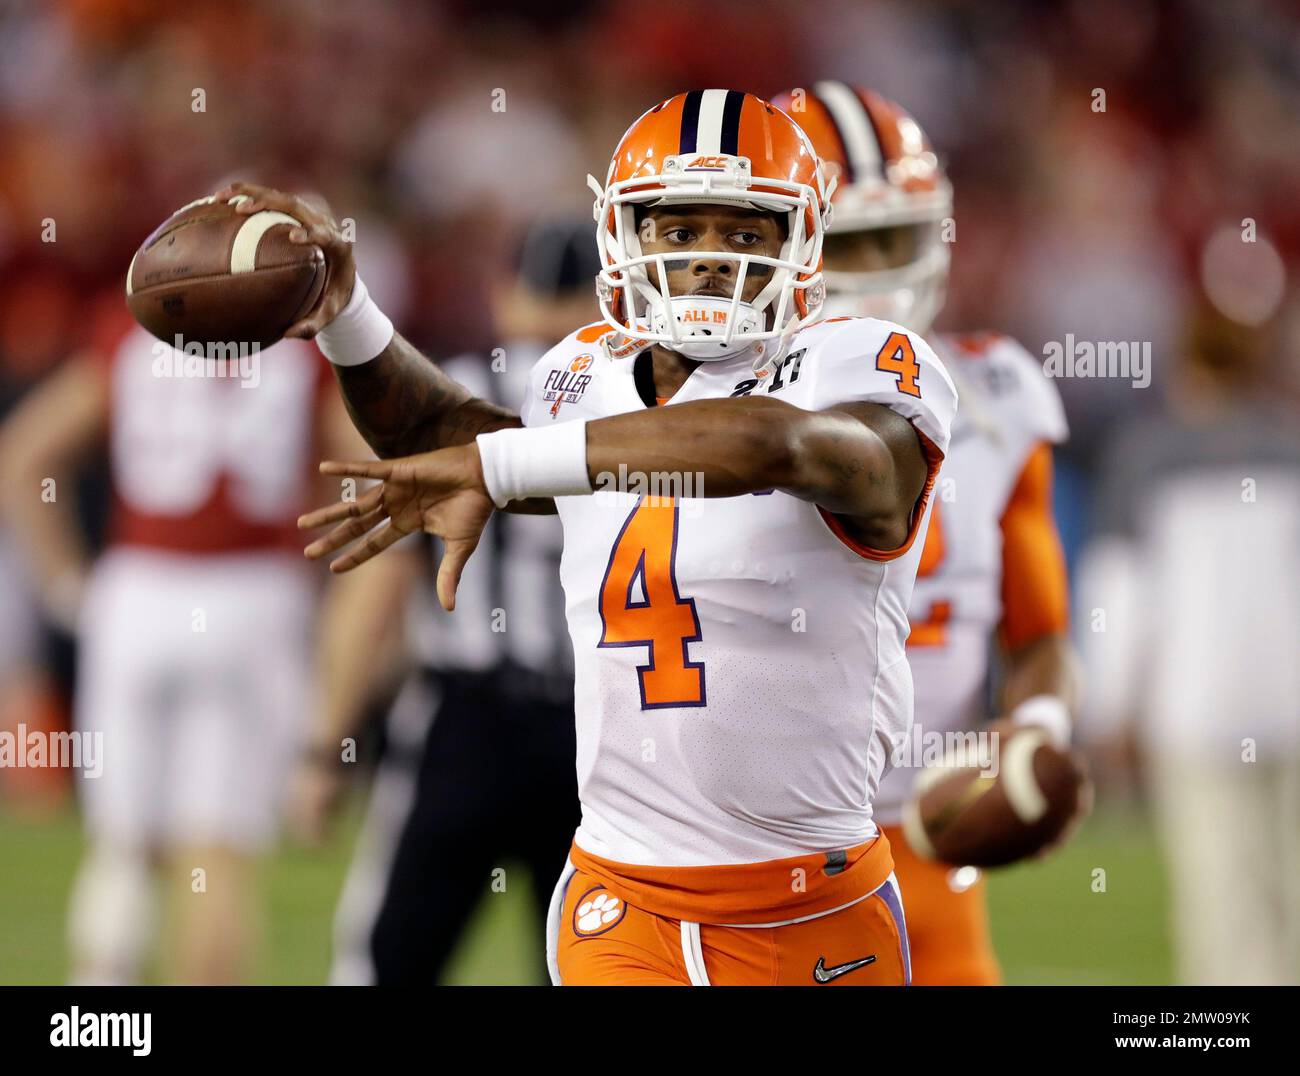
(403, 404)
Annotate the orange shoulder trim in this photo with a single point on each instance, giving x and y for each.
(589, 334)
(933, 459)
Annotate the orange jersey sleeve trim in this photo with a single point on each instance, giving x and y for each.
(933, 459)
(773, 891)
(1035, 587)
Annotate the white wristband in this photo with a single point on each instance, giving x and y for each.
(1047, 712)
(358, 333)
(543, 461)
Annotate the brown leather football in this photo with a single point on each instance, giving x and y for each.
(1010, 805)
(208, 275)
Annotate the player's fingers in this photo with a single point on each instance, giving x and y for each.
(239, 187)
(243, 186)
(249, 198)
(455, 555)
(344, 534)
(375, 544)
(345, 509)
(321, 235)
(253, 198)
(358, 468)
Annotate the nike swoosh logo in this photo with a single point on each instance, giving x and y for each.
(823, 974)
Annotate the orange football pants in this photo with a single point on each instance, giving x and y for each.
(598, 938)
(948, 931)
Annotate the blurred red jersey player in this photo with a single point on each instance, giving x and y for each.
(193, 625)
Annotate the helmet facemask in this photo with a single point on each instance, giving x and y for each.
(703, 327)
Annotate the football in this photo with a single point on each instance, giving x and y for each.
(1010, 803)
(209, 275)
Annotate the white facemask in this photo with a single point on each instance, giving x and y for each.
(706, 328)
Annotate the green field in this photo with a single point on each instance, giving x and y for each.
(1049, 923)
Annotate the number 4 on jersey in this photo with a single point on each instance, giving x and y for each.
(897, 357)
(640, 606)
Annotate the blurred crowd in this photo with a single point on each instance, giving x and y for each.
(1124, 170)
(1095, 148)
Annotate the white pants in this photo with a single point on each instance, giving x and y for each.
(194, 670)
(1231, 836)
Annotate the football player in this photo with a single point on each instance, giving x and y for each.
(192, 627)
(739, 641)
(992, 563)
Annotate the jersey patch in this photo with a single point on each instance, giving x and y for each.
(568, 384)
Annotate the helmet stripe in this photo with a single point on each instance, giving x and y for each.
(712, 108)
(711, 121)
(855, 128)
(730, 135)
(690, 122)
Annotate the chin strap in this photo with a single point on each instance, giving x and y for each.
(769, 357)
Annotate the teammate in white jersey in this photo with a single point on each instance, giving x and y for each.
(739, 643)
(992, 563)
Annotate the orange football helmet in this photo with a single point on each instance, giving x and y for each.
(888, 177)
(719, 147)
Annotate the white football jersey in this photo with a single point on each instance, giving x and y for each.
(740, 670)
(1008, 408)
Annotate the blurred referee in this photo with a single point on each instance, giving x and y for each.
(478, 764)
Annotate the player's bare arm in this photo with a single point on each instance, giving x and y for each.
(400, 401)
(1046, 666)
(54, 431)
(403, 403)
(1039, 661)
(861, 461)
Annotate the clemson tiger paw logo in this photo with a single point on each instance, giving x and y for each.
(598, 910)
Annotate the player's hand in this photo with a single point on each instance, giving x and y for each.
(1005, 727)
(318, 227)
(439, 492)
